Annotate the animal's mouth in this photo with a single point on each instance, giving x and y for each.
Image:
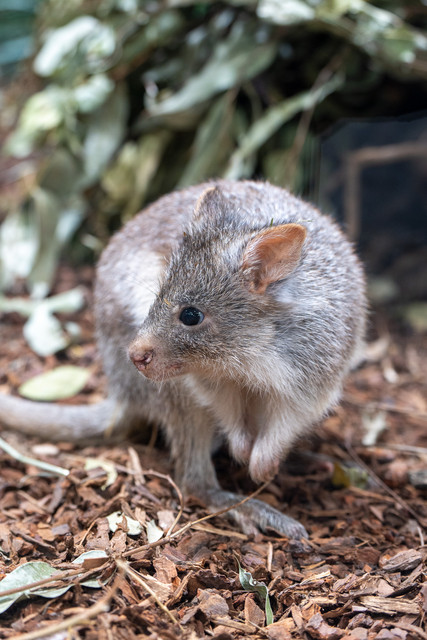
(158, 372)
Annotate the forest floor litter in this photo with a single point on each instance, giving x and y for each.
(162, 568)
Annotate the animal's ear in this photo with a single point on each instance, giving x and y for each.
(272, 255)
(211, 205)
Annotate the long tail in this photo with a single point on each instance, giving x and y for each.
(60, 422)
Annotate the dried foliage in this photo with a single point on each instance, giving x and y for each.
(161, 572)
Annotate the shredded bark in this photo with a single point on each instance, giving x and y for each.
(360, 575)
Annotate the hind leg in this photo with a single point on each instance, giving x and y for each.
(191, 433)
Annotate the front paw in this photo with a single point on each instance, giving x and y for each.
(265, 459)
(261, 468)
(240, 444)
(255, 515)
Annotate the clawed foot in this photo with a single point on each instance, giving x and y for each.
(255, 515)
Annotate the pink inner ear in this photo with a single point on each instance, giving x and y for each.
(272, 255)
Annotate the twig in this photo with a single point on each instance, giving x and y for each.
(34, 502)
(403, 448)
(228, 533)
(221, 511)
(179, 494)
(56, 577)
(244, 627)
(127, 570)
(59, 578)
(383, 406)
(46, 466)
(102, 606)
(269, 555)
(168, 538)
(138, 472)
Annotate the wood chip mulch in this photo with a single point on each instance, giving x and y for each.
(360, 575)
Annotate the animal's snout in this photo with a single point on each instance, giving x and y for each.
(141, 355)
(149, 356)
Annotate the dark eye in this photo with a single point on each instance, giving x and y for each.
(191, 316)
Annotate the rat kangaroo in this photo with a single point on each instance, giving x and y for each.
(229, 309)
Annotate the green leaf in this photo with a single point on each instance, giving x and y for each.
(109, 468)
(18, 248)
(93, 93)
(272, 119)
(234, 60)
(129, 178)
(249, 583)
(212, 144)
(333, 9)
(42, 113)
(285, 13)
(158, 31)
(346, 476)
(62, 382)
(66, 302)
(44, 333)
(105, 131)
(92, 583)
(154, 532)
(134, 528)
(81, 45)
(44, 209)
(415, 314)
(26, 574)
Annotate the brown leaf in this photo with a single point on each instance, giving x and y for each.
(99, 537)
(45, 532)
(61, 530)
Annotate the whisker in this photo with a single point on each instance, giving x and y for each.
(142, 283)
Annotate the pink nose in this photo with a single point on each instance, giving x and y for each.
(141, 358)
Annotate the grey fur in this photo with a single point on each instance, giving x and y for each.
(260, 370)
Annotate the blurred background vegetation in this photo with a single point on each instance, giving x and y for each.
(107, 104)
